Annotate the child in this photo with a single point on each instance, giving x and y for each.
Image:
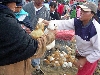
(54, 15)
(87, 34)
(22, 16)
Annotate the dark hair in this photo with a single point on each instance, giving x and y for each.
(19, 4)
(95, 16)
(98, 0)
(5, 2)
(53, 4)
(93, 12)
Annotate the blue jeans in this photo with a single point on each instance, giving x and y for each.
(35, 62)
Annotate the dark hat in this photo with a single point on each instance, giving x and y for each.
(89, 6)
(19, 4)
(9, 1)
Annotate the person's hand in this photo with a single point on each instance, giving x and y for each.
(66, 16)
(80, 63)
(41, 47)
(50, 36)
(46, 22)
(26, 29)
(42, 42)
(52, 31)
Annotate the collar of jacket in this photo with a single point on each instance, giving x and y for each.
(53, 12)
(3, 7)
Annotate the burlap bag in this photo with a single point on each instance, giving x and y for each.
(19, 68)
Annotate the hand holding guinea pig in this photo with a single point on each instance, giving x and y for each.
(50, 29)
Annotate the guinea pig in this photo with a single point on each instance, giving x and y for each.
(51, 26)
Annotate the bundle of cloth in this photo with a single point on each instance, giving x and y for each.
(65, 34)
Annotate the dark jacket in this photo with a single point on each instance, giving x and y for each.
(98, 15)
(54, 16)
(15, 44)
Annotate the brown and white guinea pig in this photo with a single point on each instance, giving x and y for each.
(51, 26)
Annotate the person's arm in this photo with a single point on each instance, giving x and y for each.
(63, 24)
(27, 23)
(15, 44)
(80, 63)
(47, 15)
(95, 55)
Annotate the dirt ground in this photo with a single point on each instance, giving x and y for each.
(49, 70)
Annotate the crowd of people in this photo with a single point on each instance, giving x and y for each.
(18, 48)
